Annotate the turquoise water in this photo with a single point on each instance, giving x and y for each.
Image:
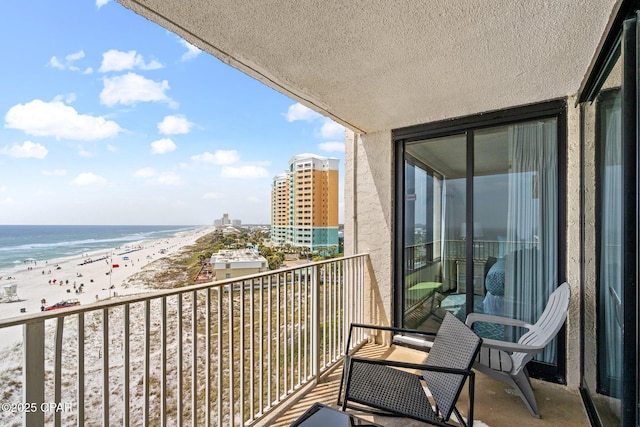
(26, 245)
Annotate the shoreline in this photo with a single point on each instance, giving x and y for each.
(59, 279)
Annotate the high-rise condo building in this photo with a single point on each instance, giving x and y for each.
(304, 203)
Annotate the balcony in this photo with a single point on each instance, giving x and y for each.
(252, 351)
(495, 404)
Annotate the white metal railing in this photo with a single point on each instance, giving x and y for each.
(222, 353)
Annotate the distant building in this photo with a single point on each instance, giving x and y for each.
(229, 264)
(304, 203)
(224, 221)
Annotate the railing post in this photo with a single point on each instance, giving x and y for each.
(58, 369)
(33, 365)
(315, 326)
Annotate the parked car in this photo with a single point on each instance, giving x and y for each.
(63, 304)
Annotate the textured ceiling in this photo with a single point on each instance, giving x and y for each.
(378, 65)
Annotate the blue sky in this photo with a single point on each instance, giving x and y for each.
(110, 119)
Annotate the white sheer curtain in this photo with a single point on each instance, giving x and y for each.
(611, 253)
(532, 223)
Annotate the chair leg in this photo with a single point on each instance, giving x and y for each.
(345, 373)
(526, 392)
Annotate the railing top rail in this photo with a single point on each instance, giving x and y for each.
(154, 294)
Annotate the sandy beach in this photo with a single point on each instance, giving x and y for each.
(89, 271)
(95, 274)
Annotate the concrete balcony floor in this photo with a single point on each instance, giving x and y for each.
(496, 405)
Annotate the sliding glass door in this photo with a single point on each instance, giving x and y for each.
(481, 221)
(516, 194)
(610, 247)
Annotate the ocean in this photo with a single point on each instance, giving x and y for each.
(22, 245)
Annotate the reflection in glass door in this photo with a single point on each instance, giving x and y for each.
(434, 208)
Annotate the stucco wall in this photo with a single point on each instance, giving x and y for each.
(573, 244)
(368, 212)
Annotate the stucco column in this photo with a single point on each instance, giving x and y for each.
(368, 210)
(573, 243)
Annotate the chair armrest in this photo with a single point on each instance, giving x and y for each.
(511, 346)
(479, 317)
(392, 329)
(383, 328)
(407, 365)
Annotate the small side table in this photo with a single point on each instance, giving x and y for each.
(320, 415)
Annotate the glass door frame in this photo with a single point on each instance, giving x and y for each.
(467, 126)
(622, 41)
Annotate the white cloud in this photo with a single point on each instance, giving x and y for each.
(56, 119)
(173, 125)
(131, 88)
(212, 196)
(55, 63)
(115, 60)
(41, 193)
(331, 129)
(27, 150)
(3, 188)
(88, 178)
(248, 172)
(191, 52)
(220, 157)
(55, 172)
(100, 3)
(331, 146)
(112, 148)
(163, 146)
(298, 111)
(147, 172)
(75, 56)
(166, 178)
(84, 153)
(68, 63)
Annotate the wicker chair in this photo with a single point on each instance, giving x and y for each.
(377, 386)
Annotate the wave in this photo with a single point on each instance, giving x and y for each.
(91, 242)
(46, 243)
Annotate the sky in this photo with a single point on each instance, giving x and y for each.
(108, 118)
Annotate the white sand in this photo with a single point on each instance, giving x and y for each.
(33, 285)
